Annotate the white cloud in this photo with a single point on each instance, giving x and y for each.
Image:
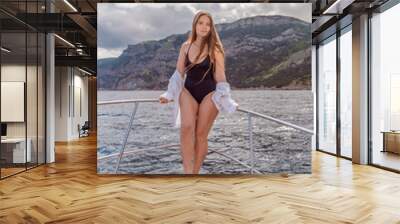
(121, 24)
(108, 53)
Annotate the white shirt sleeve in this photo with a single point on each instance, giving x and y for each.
(175, 87)
(222, 98)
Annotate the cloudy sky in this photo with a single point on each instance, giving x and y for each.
(121, 24)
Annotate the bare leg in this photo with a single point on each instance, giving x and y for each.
(207, 114)
(189, 109)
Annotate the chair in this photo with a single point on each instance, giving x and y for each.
(84, 130)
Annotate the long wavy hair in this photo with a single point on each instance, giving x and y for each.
(212, 40)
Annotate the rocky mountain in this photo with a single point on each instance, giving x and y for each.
(260, 52)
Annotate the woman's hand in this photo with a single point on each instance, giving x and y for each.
(163, 100)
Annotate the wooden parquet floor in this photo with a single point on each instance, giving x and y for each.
(70, 191)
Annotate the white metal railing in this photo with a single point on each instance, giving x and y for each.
(249, 113)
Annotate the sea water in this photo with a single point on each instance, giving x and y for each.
(277, 148)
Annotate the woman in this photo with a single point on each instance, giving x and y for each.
(199, 86)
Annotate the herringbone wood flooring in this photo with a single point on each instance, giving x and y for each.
(70, 191)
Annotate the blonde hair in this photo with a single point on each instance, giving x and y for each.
(212, 40)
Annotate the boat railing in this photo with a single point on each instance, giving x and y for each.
(250, 116)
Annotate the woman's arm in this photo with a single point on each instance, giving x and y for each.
(180, 64)
(219, 74)
(222, 96)
(176, 80)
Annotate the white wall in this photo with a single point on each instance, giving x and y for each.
(81, 84)
(70, 83)
(62, 81)
(13, 73)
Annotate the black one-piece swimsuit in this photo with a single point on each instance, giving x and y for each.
(193, 77)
